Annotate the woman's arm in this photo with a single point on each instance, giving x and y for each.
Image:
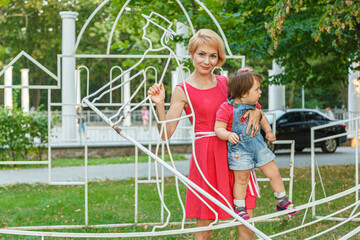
(254, 119)
(177, 104)
(222, 133)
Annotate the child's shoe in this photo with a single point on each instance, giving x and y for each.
(287, 206)
(242, 213)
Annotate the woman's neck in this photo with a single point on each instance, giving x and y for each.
(202, 81)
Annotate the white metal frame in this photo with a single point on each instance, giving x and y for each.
(179, 176)
(356, 121)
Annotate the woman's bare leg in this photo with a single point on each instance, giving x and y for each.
(204, 235)
(245, 233)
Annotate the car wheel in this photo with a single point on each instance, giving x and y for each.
(329, 146)
(299, 149)
(271, 146)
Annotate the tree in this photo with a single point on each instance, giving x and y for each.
(326, 35)
(35, 26)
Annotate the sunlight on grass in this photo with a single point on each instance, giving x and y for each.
(66, 162)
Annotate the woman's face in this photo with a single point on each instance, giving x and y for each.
(205, 58)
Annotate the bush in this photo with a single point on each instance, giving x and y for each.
(23, 136)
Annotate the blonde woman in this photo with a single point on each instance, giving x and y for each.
(206, 92)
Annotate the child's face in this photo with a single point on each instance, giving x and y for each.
(252, 97)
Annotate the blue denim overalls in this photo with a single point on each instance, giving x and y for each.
(248, 152)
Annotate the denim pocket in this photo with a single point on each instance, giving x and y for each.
(236, 155)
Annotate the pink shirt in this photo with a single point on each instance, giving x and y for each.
(225, 114)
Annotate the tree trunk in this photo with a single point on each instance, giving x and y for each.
(35, 98)
(344, 94)
(291, 95)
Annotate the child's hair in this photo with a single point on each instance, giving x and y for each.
(240, 83)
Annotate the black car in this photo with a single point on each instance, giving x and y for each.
(295, 124)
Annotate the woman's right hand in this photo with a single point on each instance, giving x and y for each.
(157, 93)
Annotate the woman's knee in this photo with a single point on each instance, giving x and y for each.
(204, 235)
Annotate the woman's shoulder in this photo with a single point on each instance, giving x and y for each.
(180, 85)
(222, 80)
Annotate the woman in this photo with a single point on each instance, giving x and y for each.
(206, 92)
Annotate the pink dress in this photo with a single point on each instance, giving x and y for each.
(211, 152)
(144, 114)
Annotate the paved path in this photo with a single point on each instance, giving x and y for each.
(76, 174)
(343, 156)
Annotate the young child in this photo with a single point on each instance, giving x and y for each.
(245, 153)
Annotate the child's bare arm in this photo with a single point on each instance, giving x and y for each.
(265, 125)
(222, 133)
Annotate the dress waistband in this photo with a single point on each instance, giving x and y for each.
(199, 135)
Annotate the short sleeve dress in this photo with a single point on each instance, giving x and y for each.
(211, 153)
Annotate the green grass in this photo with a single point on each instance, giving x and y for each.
(66, 162)
(112, 202)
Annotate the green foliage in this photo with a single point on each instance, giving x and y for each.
(324, 34)
(314, 40)
(4, 3)
(23, 136)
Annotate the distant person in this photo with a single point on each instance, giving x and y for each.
(81, 119)
(329, 113)
(145, 116)
(244, 152)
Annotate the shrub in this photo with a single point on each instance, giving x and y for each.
(23, 136)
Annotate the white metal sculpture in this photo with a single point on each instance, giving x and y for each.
(127, 106)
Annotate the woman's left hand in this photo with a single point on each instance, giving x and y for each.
(254, 119)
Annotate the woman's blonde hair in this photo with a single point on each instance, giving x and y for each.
(211, 38)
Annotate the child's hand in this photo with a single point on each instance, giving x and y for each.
(233, 137)
(270, 136)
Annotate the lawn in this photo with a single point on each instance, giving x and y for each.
(113, 202)
(66, 162)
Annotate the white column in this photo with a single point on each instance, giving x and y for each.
(77, 86)
(8, 91)
(354, 94)
(174, 80)
(25, 91)
(276, 92)
(68, 94)
(181, 30)
(127, 94)
(303, 97)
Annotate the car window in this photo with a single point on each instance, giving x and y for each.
(291, 117)
(313, 116)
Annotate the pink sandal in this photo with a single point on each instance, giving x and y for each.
(242, 213)
(287, 206)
